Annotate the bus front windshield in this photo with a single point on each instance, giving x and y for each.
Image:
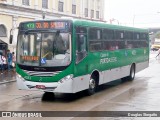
(44, 49)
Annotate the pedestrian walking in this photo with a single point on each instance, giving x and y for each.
(4, 62)
(1, 63)
(9, 59)
(158, 53)
(13, 59)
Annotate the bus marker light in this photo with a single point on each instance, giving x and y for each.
(40, 86)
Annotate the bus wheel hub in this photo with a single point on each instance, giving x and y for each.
(92, 84)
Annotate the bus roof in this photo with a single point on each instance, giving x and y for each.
(87, 23)
(105, 25)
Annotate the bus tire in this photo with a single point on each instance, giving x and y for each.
(48, 96)
(132, 73)
(124, 79)
(92, 85)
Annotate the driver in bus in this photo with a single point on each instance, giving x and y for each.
(59, 45)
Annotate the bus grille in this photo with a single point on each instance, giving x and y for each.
(38, 73)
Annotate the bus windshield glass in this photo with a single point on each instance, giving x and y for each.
(46, 49)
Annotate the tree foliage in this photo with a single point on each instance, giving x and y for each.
(158, 35)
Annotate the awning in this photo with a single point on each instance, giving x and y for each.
(2, 39)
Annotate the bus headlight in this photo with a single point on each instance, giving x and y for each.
(19, 76)
(68, 77)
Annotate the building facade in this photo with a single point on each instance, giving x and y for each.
(12, 12)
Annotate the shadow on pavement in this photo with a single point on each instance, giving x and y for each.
(69, 97)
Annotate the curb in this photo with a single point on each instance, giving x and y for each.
(8, 81)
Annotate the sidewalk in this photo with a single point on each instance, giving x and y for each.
(7, 76)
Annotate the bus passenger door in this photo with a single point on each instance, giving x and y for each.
(81, 53)
(81, 65)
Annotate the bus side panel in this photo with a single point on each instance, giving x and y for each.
(141, 66)
(117, 73)
(81, 83)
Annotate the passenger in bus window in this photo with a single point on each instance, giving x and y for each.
(111, 48)
(59, 44)
(116, 47)
(129, 46)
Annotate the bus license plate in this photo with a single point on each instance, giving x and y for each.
(40, 86)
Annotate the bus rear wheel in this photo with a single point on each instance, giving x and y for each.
(131, 75)
(92, 86)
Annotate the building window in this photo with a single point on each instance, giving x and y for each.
(3, 31)
(60, 6)
(73, 9)
(45, 4)
(97, 14)
(92, 13)
(25, 2)
(86, 12)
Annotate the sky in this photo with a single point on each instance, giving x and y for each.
(135, 13)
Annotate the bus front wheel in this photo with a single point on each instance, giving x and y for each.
(48, 96)
(92, 86)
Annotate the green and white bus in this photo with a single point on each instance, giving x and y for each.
(70, 55)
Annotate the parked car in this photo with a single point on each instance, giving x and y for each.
(155, 47)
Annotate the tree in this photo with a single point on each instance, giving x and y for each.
(157, 35)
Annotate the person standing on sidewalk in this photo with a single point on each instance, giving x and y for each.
(1, 63)
(13, 59)
(9, 59)
(158, 53)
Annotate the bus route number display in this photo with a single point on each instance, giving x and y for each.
(45, 25)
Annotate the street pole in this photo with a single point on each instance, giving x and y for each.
(111, 20)
(43, 15)
(133, 19)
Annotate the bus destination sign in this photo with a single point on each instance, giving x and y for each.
(45, 25)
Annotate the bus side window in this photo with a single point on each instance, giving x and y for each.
(81, 47)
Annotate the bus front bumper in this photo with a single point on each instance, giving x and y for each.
(63, 86)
